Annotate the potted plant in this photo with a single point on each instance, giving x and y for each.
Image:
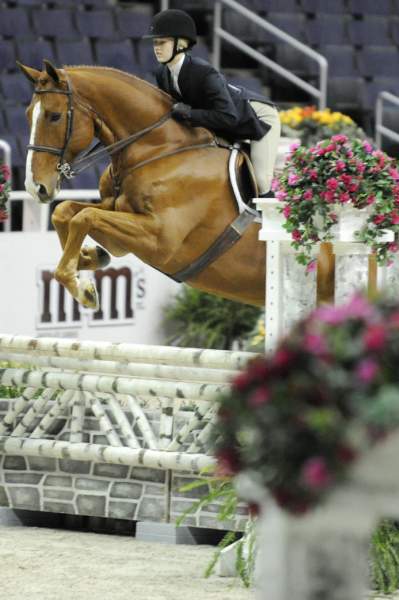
(4, 191)
(336, 177)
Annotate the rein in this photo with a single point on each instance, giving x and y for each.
(68, 170)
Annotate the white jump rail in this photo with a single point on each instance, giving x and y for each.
(134, 417)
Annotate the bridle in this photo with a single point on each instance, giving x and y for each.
(63, 167)
(93, 155)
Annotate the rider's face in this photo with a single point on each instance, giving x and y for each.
(163, 48)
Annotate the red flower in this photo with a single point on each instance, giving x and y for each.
(228, 462)
(296, 235)
(375, 337)
(315, 473)
(346, 454)
(259, 397)
(242, 381)
(367, 370)
(378, 219)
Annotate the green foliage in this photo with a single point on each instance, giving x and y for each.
(201, 320)
(385, 557)
(221, 490)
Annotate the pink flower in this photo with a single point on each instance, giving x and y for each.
(360, 167)
(2, 186)
(312, 265)
(346, 179)
(313, 175)
(259, 397)
(287, 211)
(330, 148)
(6, 172)
(315, 343)
(344, 197)
(308, 195)
(393, 247)
(374, 337)
(339, 138)
(333, 217)
(370, 199)
(378, 219)
(367, 370)
(283, 357)
(315, 473)
(367, 147)
(353, 187)
(296, 235)
(321, 151)
(394, 173)
(293, 179)
(228, 462)
(281, 195)
(329, 197)
(275, 185)
(294, 146)
(332, 184)
(394, 217)
(340, 165)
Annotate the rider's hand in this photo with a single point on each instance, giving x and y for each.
(181, 111)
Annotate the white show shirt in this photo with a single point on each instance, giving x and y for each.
(175, 71)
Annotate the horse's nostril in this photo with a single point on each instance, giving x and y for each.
(42, 190)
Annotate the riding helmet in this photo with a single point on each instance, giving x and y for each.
(173, 23)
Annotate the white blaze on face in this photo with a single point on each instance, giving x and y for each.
(30, 185)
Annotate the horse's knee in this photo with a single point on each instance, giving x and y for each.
(86, 218)
(62, 213)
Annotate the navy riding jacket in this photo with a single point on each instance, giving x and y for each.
(215, 104)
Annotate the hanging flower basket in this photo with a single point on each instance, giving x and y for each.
(300, 419)
(337, 175)
(5, 189)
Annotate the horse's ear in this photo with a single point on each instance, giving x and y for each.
(51, 71)
(30, 73)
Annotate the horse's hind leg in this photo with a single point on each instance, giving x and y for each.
(92, 258)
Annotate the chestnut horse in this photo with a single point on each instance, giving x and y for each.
(167, 211)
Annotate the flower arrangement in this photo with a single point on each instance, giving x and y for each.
(312, 125)
(317, 181)
(299, 419)
(5, 188)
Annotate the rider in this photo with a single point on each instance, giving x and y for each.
(204, 99)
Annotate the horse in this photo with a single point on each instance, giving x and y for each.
(166, 197)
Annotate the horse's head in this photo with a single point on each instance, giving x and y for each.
(59, 130)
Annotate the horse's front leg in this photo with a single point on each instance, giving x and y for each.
(91, 258)
(121, 231)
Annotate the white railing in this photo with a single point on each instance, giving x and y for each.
(35, 216)
(380, 129)
(220, 34)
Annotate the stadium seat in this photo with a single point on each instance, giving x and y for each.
(242, 28)
(16, 88)
(96, 23)
(16, 120)
(47, 22)
(326, 29)
(3, 126)
(373, 88)
(14, 20)
(294, 25)
(115, 54)
(283, 6)
(378, 61)
(201, 51)
(132, 24)
(394, 29)
(32, 51)
(369, 31)
(341, 60)
(145, 56)
(345, 93)
(370, 7)
(328, 7)
(297, 62)
(18, 156)
(71, 52)
(7, 55)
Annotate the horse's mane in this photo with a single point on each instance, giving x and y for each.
(127, 77)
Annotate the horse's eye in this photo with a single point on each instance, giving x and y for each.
(55, 117)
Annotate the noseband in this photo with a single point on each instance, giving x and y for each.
(63, 167)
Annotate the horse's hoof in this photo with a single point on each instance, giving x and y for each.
(103, 258)
(88, 295)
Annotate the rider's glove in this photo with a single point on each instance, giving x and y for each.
(181, 111)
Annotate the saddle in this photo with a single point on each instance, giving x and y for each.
(242, 176)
